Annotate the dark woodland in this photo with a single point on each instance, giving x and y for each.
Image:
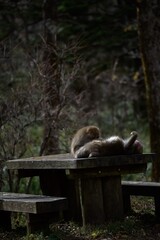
(68, 64)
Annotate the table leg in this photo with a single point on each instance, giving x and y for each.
(112, 197)
(91, 200)
(56, 183)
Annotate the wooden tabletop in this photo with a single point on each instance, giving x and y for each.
(66, 161)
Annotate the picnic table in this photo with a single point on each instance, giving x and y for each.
(91, 185)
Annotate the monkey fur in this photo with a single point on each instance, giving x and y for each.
(104, 147)
(99, 148)
(83, 136)
(137, 148)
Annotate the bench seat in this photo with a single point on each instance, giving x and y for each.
(38, 208)
(139, 188)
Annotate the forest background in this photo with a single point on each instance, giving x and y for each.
(66, 64)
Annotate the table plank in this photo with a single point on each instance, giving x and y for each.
(66, 161)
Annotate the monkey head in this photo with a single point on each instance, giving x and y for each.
(83, 136)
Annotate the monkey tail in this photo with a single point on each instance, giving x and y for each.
(130, 141)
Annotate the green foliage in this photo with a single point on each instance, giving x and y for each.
(37, 236)
(127, 226)
(35, 136)
(31, 185)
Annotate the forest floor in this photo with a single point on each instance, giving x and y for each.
(141, 224)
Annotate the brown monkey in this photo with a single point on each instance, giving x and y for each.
(128, 143)
(136, 148)
(111, 146)
(95, 148)
(83, 136)
(133, 146)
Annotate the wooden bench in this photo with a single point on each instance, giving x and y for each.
(38, 209)
(141, 189)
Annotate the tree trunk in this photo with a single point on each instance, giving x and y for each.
(51, 83)
(149, 34)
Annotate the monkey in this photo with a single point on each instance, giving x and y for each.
(128, 143)
(83, 136)
(133, 145)
(111, 146)
(136, 148)
(100, 148)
